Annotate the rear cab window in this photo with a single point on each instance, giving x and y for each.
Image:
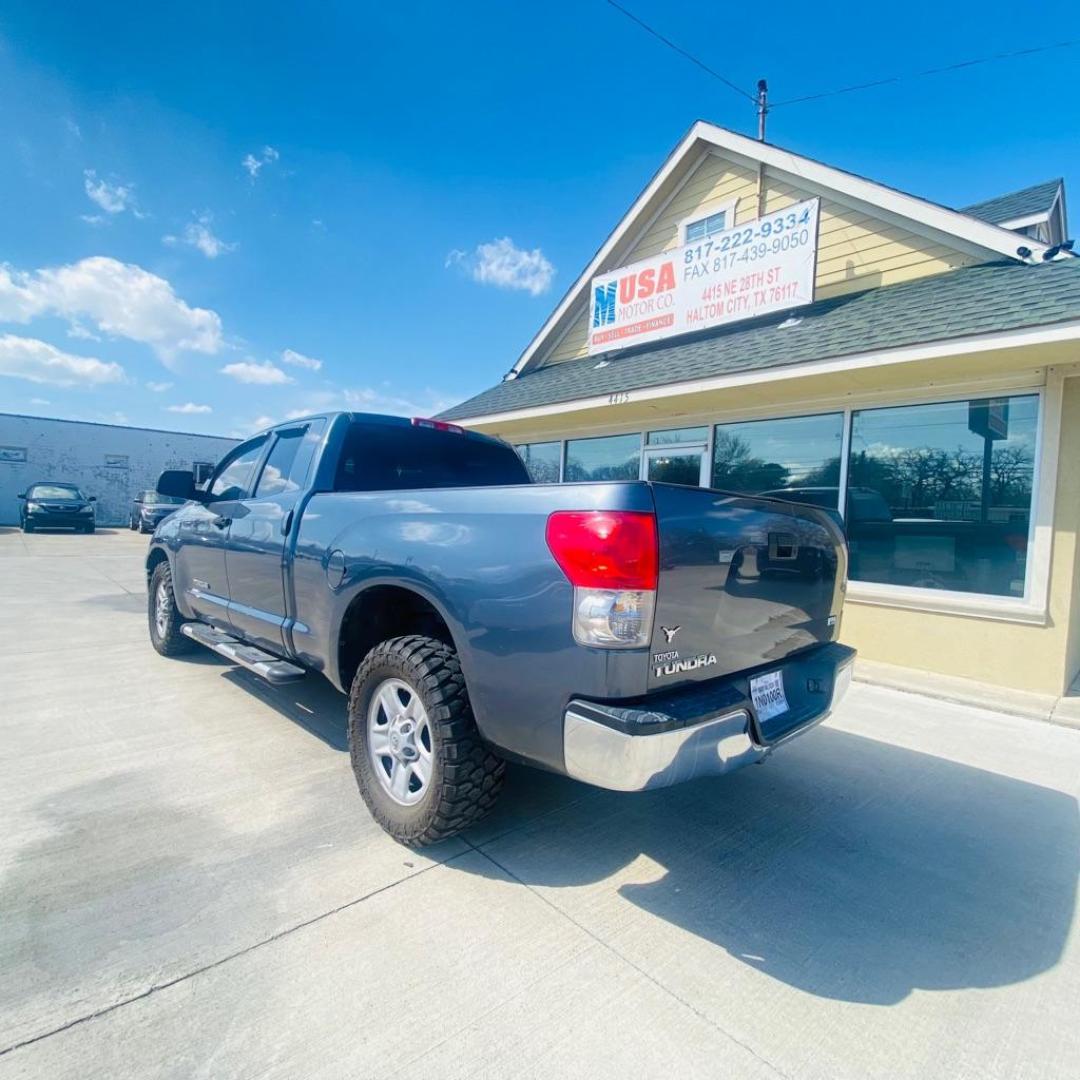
(385, 457)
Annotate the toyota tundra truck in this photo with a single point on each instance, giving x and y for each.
(630, 635)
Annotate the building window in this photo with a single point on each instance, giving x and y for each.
(116, 461)
(706, 226)
(612, 457)
(795, 457)
(13, 455)
(939, 496)
(542, 461)
(202, 470)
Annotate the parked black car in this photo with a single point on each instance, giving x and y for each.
(148, 508)
(54, 505)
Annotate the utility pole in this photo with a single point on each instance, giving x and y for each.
(762, 107)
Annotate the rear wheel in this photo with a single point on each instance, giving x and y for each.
(165, 618)
(419, 761)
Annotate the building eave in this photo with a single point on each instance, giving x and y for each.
(1022, 338)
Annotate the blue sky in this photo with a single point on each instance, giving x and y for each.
(211, 215)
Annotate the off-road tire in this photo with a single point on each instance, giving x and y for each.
(467, 775)
(172, 642)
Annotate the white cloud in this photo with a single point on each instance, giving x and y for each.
(40, 401)
(77, 330)
(199, 235)
(159, 387)
(502, 264)
(189, 408)
(250, 372)
(113, 198)
(291, 356)
(255, 162)
(426, 402)
(119, 299)
(39, 362)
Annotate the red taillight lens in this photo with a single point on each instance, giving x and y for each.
(605, 549)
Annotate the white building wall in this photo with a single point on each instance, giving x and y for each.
(110, 462)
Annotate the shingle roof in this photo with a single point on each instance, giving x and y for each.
(1017, 204)
(982, 299)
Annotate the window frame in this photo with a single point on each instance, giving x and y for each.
(276, 436)
(1031, 608)
(727, 208)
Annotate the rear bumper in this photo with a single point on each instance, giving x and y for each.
(704, 730)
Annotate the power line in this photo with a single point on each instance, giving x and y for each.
(928, 71)
(681, 51)
(992, 58)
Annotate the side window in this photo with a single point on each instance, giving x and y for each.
(278, 475)
(234, 474)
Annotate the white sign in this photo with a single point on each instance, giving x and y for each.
(767, 265)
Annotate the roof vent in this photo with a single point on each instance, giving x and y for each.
(602, 364)
(790, 321)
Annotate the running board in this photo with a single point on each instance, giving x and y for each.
(266, 665)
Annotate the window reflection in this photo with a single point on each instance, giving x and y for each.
(939, 496)
(796, 457)
(615, 457)
(542, 461)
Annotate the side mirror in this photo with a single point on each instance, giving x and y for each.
(21, 495)
(177, 482)
(92, 498)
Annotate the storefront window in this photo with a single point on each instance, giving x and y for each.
(542, 461)
(796, 457)
(939, 496)
(614, 457)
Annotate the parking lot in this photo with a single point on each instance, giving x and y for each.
(190, 885)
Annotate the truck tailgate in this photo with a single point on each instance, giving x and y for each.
(743, 582)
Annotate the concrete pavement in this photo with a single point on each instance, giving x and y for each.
(190, 885)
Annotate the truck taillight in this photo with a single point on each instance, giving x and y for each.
(610, 558)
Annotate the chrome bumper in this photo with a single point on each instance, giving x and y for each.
(605, 754)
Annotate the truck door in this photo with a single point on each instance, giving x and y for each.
(199, 563)
(259, 533)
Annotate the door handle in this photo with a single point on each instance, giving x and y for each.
(286, 525)
(222, 522)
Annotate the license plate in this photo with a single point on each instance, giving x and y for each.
(768, 695)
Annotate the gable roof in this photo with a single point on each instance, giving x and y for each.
(976, 300)
(1037, 199)
(940, 222)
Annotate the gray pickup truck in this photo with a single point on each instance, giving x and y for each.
(630, 635)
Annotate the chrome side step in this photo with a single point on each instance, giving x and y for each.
(266, 665)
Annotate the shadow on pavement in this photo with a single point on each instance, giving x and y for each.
(851, 869)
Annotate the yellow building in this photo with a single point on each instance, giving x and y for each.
(910, 366)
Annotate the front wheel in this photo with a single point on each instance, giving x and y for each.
(27, 526)
(420, 763)
(165, 618)
(132, 525)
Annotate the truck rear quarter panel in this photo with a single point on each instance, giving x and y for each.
(480, 557)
